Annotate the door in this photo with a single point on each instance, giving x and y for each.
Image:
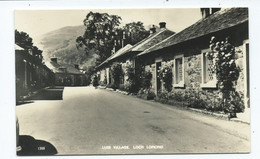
(158, 80)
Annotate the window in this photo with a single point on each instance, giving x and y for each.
(178, 71)
(208, 71)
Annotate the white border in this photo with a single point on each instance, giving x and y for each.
(7, 82)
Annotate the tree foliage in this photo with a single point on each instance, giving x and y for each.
(135, 32)
(99, 33)
(103, 34)
(23, 40)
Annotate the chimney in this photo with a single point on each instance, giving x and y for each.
(54, 59)
(76, 66)
(162, 25)
(152, 29)
(206, 12)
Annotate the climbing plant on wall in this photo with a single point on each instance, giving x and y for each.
(116, 73)
(165, 75)
(227, 72)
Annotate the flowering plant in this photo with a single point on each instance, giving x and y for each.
(165, 75)
(223, 55)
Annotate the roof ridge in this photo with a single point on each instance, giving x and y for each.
(156, 45)
(111, 57)
(151, 37)
(225, 13)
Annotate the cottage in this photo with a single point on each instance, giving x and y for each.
(104, 67)
(31, 74)
(186, 53)
(66, 75)
(126, 55)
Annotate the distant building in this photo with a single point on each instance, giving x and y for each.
(66, 75)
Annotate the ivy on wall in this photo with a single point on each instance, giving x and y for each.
(165, 75)
(227, 72)
(116, 73)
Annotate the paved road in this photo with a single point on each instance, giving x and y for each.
(97, 121)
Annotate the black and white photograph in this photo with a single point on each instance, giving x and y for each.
(132, 81)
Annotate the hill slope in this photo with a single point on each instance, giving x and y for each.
(61, 43)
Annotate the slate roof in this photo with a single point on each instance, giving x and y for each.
(118, 53)
(55, 67)
(220, 20)
(152, 40)
(143, 44)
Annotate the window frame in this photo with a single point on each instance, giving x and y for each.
(209, 84)
(181, 83)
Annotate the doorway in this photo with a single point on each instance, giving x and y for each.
(158, 80)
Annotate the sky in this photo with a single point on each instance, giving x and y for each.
(39, 22)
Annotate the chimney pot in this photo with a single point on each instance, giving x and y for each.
(152, 29)
(206, 12)
(162, 25)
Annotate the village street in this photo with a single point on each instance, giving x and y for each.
(99, 121)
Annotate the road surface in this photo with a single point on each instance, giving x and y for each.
(98, 121)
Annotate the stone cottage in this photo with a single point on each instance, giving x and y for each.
(30, 72)
(186, 53)
(126, 55)
(104, 67)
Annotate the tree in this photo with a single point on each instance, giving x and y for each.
(103, 34)
(36, 50)
(135, 32)
(99, 34)
(23, 40)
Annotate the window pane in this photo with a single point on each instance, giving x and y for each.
(208, 69)
(179, 72)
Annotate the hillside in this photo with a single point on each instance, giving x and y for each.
(61, 43)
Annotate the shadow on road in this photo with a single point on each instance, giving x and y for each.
(32, 147)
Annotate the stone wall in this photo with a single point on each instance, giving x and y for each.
(193, 76)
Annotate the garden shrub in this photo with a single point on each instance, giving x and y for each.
(113, 86)
(116, 74)
(194, 98)
(146, 80)
(237, 102)
(133, 80)
(146, 94)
